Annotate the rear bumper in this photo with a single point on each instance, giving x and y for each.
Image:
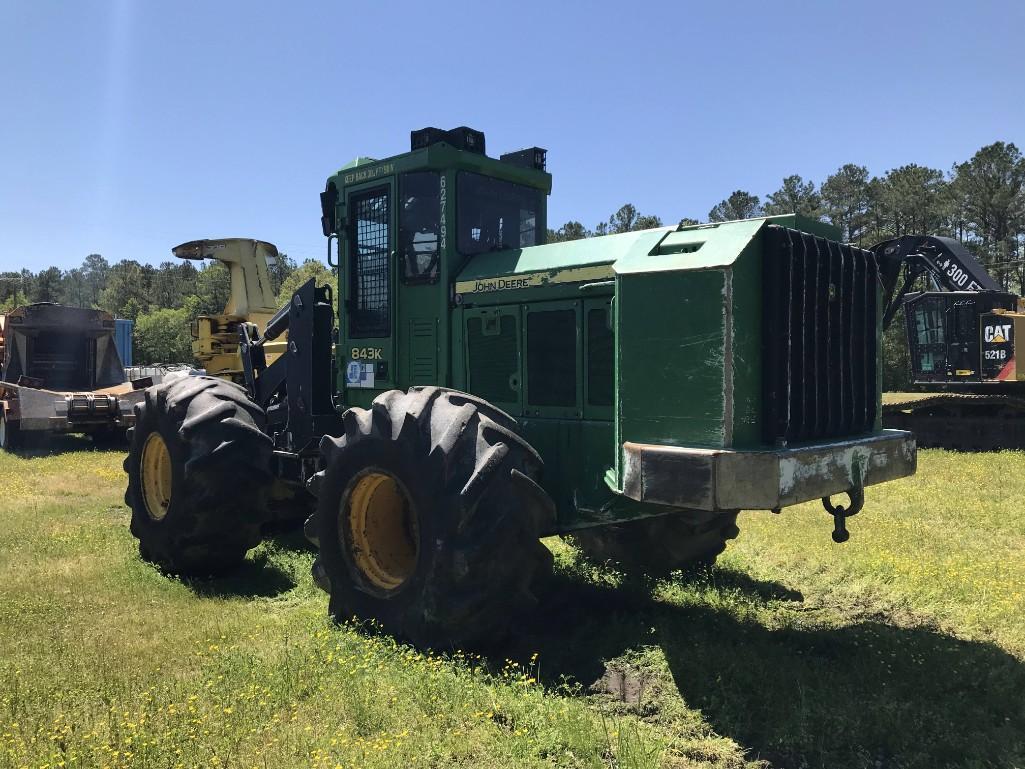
(723, 479)
(37, 410)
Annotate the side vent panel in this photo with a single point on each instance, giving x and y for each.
(423, 352)
(552, 358)
(493, 365)
(600, 357)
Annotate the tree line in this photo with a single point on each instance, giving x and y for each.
(980, 201)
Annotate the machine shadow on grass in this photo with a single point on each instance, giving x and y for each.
(797, 690)
(35, 446)
(799, 693)
(259, 576)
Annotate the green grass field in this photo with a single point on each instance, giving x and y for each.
(903, 648)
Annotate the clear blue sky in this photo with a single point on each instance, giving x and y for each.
(128, 127)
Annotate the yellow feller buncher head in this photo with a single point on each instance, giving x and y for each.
(215, 338)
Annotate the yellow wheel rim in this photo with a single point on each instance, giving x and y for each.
(155, 476)
(378, 525)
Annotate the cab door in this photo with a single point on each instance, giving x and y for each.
(927, 320)
(422, 301)
(366, 337)
(963, 342)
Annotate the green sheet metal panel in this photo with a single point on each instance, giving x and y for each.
(493, 358)
(546, 263)
(701, 247)
(746, 365)
(689, 338)
(577, 454)
(671, 344)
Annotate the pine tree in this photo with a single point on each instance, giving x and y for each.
(795, 196)
(739, 205)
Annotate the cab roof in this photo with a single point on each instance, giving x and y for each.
(437, 157)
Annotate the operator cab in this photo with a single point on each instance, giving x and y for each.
(951, 338)
(405, 227)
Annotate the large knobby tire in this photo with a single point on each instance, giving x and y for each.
(658, 546)
(198, 474)
(428, 518)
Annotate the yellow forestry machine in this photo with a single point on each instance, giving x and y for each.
(215, 338)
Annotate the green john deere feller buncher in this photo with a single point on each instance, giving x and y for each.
(635, 391)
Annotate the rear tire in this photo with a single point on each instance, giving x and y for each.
(198, 475)
(658, 546)
(428, 518)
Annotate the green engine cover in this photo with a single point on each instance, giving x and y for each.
(689, 338)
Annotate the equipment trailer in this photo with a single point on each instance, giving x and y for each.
(635, 390)
(60, 372)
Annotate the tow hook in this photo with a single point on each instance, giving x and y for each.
(841, 514)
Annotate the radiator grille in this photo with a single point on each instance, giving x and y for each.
(820, 340)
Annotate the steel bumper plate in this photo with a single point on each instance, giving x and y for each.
(724, 479)
(49, 410)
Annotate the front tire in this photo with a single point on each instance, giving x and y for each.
(198, 475)
(658, 546)
(428, 518)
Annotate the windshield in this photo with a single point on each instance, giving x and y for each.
(495, 214)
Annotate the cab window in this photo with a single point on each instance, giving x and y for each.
(420, 226)
(370, 311)
(495, 215)
(929, 324)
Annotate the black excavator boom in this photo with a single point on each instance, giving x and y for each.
(944, 261)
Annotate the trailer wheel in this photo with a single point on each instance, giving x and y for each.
(198, 474)
(658, 546)
(10, 434)
(428, 518)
